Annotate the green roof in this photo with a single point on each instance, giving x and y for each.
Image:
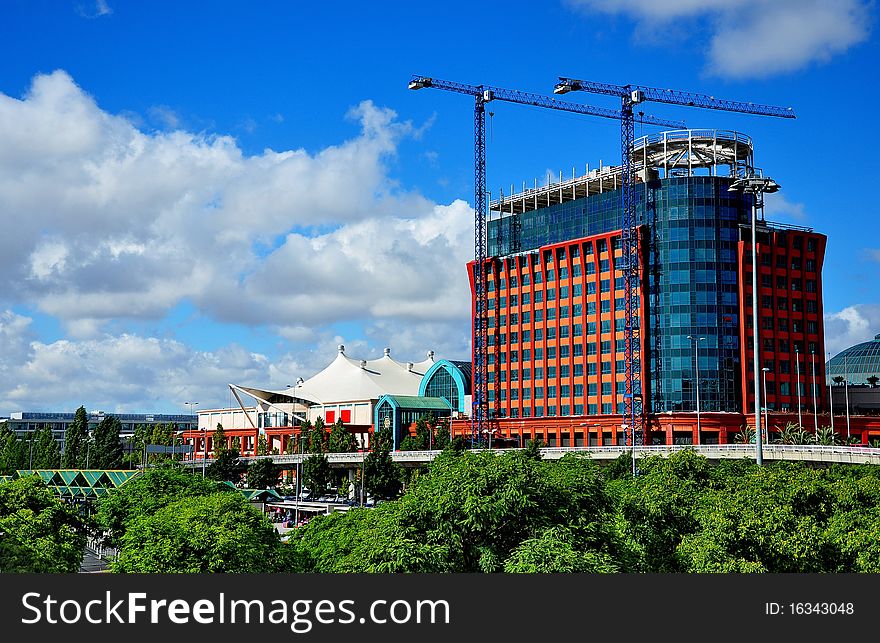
(260, 494)
(80, 483)
(419, 402)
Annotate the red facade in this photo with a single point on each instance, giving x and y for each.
(556, 330)
(791, 333)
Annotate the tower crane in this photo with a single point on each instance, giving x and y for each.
(632, 95)
(483, 94)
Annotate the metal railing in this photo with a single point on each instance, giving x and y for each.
(806, 452)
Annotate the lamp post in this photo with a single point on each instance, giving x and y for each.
(764, 371)
(632, 446)
(830, 396)
(846, 393)
(191, 405)
(756, 186)
(696, 341)
(815, 403)
(797, 383)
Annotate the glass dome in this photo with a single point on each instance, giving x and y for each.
(857, 363)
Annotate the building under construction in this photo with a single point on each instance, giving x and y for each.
(556, 299)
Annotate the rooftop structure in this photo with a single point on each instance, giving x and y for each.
(347, 389)
(557, 294)
(856, 363)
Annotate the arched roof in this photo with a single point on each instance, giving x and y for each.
(348, 379)
(461, 374)
(856, 363)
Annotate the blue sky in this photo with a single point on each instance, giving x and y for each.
(200, 193)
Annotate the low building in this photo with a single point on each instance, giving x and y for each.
(348, 389)
(23, 423)
(852, 377)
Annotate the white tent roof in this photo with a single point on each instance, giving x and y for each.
(346, 379)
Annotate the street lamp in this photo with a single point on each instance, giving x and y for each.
(192, 410)
(766, 370)
(696, 341)
(830, 396)
(846, 393)
(797, 383)
(756, 186)
(815, 407)
(632, 443)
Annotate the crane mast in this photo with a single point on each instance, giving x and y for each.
(631, 95)
(483, 94)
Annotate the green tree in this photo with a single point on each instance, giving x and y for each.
(220, 532)
(442, 434)
(872, 380)
(46, 454)
(316, 474)
(424, 431)
(75, 439)
(790, 434)
(235, 444)
(316, 437)
(470, 513)
(13, 451)
(827, 436)
(226, 467)
(38, 533)
(766, 519)
(656, 509)
(135, 451)
(556, 551)
(262, 474)
(382, 476)
(341, 440)
(106, 448)
(262, 445)
(218, 439)
(155, 488)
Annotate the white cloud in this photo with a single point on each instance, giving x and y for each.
(128, 373)
(111, 224)
(164, 116)
(778, 208)
(753, 38)
(852, 325)
(101, 8)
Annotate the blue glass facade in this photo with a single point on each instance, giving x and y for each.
(691, 265)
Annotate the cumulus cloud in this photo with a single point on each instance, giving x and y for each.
(100, 8)
(113, 224)
(125, 373)
(753, 38)
(852, 325)
(778, 208)
(128, 373)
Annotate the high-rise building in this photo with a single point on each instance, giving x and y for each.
(556, 297)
